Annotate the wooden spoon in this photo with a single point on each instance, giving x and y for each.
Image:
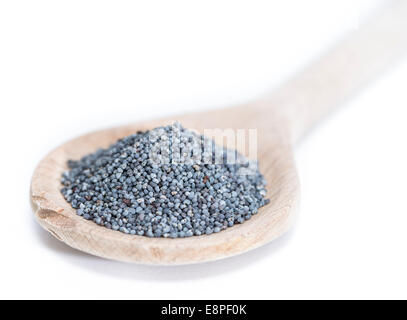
(279, 119)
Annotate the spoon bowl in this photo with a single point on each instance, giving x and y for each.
(57, 216)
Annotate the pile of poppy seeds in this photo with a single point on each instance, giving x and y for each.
(166, 182)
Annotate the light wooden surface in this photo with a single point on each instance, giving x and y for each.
(280, 120)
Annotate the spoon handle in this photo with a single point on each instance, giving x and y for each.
(365, 53)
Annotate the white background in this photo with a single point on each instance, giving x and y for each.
(69, 67)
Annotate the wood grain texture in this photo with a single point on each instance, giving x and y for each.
(280, 119)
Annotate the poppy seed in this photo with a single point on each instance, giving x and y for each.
(167, 182)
